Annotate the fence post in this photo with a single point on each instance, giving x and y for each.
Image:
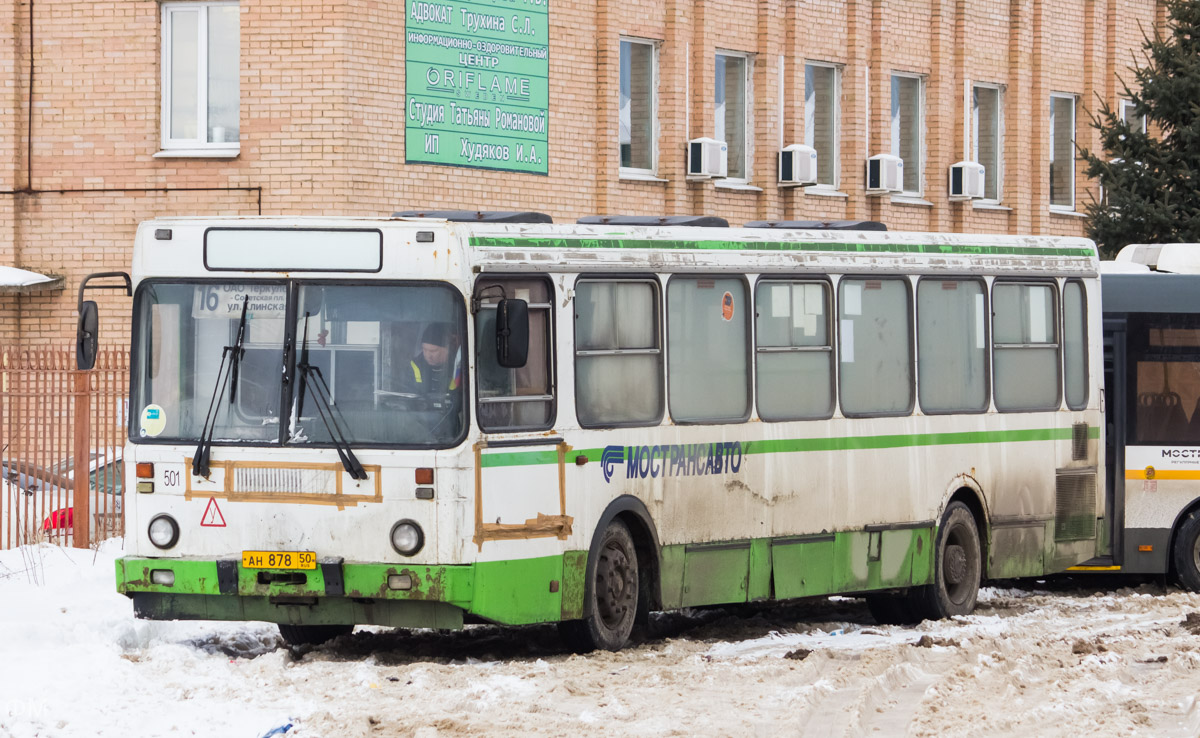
(81, 489)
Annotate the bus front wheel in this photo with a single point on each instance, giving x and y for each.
(957, 568)
(612, 594)
(1186, 553)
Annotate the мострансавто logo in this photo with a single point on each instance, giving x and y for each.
(676, 460)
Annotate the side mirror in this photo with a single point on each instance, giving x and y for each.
(512, 333)
(87, 331)
(87, 335)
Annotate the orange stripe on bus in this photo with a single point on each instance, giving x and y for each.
(1163, 474)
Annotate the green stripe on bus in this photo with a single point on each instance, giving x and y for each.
(858, 443)
(521, 458)
(793, 445)
(873, 248)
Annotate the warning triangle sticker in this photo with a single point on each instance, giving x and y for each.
(212, 515)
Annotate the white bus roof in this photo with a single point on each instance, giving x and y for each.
(507, 247)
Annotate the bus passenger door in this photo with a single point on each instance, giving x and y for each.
(520, 474)
(1115, 410)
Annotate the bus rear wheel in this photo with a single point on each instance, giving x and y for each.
(1185, 554)
(612, 594)
(957, 568)
(312, 635)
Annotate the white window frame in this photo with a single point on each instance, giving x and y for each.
(1126, 111)
(1000, 101)
(921, 139)
(1074, 122)
(809, 139)
(748, 114)
(197, 146)
(637, 172)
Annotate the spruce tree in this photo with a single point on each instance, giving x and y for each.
(1151, 181)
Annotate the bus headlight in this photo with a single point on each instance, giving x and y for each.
(163, 531)
(407, 538)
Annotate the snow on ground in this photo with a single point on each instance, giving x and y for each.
(1056, 659)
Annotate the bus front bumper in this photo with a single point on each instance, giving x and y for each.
(404, 596)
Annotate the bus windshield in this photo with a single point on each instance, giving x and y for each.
(366, 364)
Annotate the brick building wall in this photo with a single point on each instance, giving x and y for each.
(322, 108)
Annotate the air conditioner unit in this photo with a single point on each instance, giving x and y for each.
(885, 174)
(797, 166)
(966, 180)
(707, 158)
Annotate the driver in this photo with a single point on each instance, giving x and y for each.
(432, 369)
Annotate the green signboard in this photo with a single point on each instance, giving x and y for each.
(477, 84)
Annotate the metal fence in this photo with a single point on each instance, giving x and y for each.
(54, 422)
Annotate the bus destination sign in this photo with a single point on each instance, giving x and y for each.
(476, 77)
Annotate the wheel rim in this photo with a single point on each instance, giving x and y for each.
(959, 565)
(615, 587)
(1196, 553)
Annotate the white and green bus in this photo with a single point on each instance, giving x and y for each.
(418, 422)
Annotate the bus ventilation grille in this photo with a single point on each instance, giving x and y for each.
(1075, 505)
(1079, 441)
(268, 481)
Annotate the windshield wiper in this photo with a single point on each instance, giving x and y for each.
(310, 374)
(234, 355)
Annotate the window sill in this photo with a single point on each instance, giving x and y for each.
(818, 191)
(911, 200)
(981, 205)
(1067, 213)
(725, 184)
(636, 176)
(199, 153)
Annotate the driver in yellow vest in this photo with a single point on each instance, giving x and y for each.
(433, 372)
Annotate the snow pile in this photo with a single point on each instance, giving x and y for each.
(77, 663)
(1027, 662)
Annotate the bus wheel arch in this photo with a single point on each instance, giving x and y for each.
(958, 564)
(966, 490)
(1183, 564)
(624, 516)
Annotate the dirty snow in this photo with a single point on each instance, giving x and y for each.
(1046, 659)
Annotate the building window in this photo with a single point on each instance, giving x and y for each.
(952, 345)
(1024, 347)
(732, 111)
(821, 118)
(875, 347)
(1062, 151)
(618, 357)
(987, 140)
(794, 350)
(201, 42)
(908, 128)
(639, 112)
(1129, 115)
(708, 332)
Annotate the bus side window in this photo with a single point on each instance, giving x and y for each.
(1167, 409)
(875, 346)
(1075, 371)
(514, 399)
(952, 345)
(618, 355)
(794, 350)
(1025, 347)
(708, 335)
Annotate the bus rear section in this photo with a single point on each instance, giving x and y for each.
(1152, 380)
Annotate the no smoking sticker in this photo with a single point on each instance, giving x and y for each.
(727, 306)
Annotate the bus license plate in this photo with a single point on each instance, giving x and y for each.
(279, 560)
